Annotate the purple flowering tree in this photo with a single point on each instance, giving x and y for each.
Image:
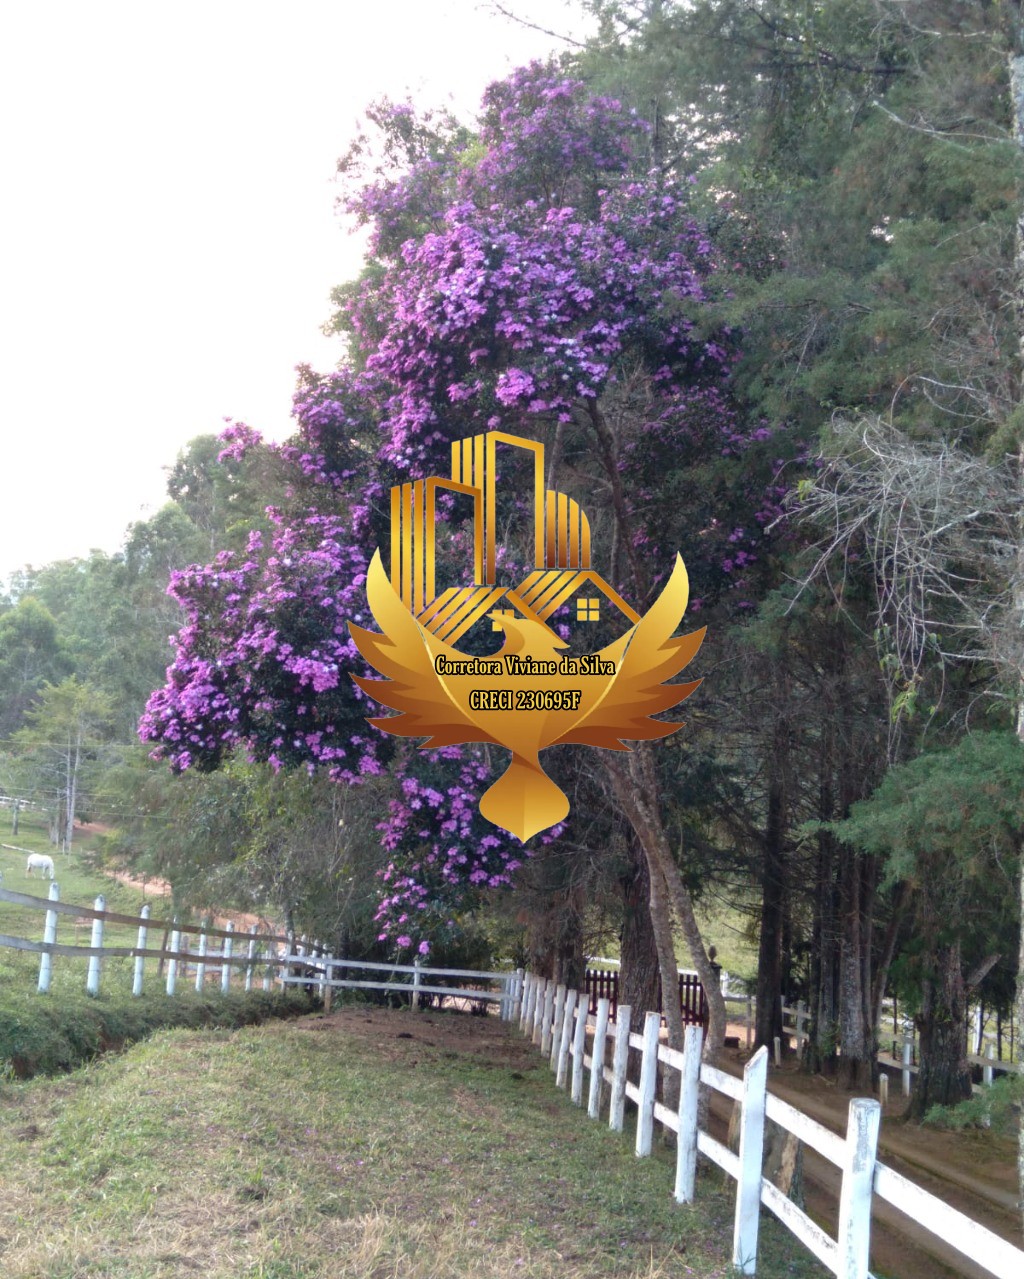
(537, 278)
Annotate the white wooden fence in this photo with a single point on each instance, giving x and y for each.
(219, 953)
(559, 1023)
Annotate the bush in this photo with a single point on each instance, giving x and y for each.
(997, 1107)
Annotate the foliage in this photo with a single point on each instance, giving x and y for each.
(997, 1106)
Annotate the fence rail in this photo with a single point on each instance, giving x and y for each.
(560, 1022)
(276, 958)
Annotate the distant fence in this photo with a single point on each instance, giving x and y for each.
(218, 954)
(603, 983)
(560, 1023)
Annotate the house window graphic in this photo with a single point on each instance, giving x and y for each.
(588, 610)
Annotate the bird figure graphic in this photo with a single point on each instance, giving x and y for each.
(528, 696)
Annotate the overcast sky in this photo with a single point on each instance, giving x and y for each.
(168, 238)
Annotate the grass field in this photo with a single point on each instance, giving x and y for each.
(373, 1144)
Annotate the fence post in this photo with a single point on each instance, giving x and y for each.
(801, 1021)
(689, 1096)
(225, 968)
(529, 984)
(748, 1186)
(92, 980)
(517, 996)
(597, 1059)
(268, 967)
(250, 955)
(854, 1235)
(201, 967)
(172, 964)
(49, 937)
(620, 1062)
(556, 1027)
(564, 1039)
(579, 1046)
(416, 982)
(908, 1048)
(986, 1071)
(140, 960)
(542, 1031)
(648, 1085)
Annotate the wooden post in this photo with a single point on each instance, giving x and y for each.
(538, 1011)
(547, 1018)
(268, 969)
(201, 967)
(854, 1234)
(986, 1071)
(416, 982)
(140, 961)
(748, 1188)
(250, 954)
(689, 1097)
(516, 1010)
(92, 980)
(908, 1048)
(565, 1039)
(526, 1011)
(579, 1046)
(648, 1085)
(328, 987)
(556, 1027)
(883, 1089)
(225, 968)
(620, 1064)
(597, 1059)
(777, 1044)
(49, 937)
(172, 964)
(801, 1022)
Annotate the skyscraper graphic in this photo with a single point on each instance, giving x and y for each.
(561, 546)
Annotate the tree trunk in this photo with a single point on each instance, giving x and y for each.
(856, 1030)
(639, 972)
(944, 1076)
(768, 1025)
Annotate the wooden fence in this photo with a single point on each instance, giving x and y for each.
(559, 1021)
(220, 953)
(603, 983)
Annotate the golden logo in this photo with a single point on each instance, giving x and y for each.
(532, 694)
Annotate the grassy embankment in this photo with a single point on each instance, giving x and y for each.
(370, 1149)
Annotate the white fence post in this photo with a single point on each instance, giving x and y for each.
(620, 1062)
(986, 1071)
(597, 1058)
(526, 1013)
(515, 1012)
(417, 981)
(92, 980)
(648, 1085)
(854, 1236)
(689, 1097)
(201, 967)
(565, 1038)
(748, 1187)
(908, 1048)
(250, 955)
(49, 937)
(546, 1018)
(140, 960)
(579, 1046)
(172, 964)
(225, 968)
(556, 1027)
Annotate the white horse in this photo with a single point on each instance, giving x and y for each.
(39, 861)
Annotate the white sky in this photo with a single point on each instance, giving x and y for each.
(168, 239)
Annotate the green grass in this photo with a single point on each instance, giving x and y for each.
(307, 1151)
